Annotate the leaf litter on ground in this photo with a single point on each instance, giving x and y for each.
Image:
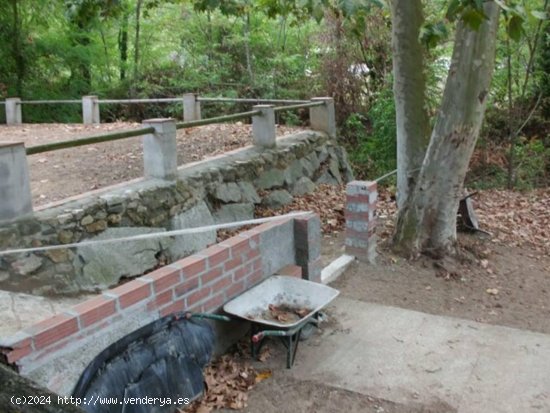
(228, 379)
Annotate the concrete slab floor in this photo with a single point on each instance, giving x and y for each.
(412, 358)
(18, 310)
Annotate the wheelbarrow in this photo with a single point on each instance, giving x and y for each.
(280, 306)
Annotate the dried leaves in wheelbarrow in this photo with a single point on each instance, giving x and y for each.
(285, 313)
(228, 381)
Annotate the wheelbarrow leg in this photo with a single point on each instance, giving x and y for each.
(292, 348)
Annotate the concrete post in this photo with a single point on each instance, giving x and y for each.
(322, 117)
(15, 190)
(263, 127)
(191, 107)
(360, 214)
(160, 158)
(90, 110)
(13, 111)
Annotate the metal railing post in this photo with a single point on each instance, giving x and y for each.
(323, 118)
(90, 110)
(13, 111)
(191, 107)
(263, 127)
(160, 155)
(16, 199)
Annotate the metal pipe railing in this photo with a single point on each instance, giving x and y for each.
(46, 102)
(89, 140)
(217, 119)
(298, 106)
(144, 100)
(249, 100)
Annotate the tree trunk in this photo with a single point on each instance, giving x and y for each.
(427, 221)
(247, 49)
(136, 40)
(17, 49)
(409, 88)
(123, 44)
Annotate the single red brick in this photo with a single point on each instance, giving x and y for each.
(131, 293)
(187, 286)
(95, 309)
(356, 216)
(238, 245)
(216, 254)
(221, 284)
(359, 199)
(242, 272)
(254, 278)
(164, 278)
(213, 303)
(231, 264)
(211, 275)
(53, 330)
(191, 265)
(235, 289)
(160, 300)
(291, 270)
(250, 255)
(18, 353)
(197, 296)
(173, 308)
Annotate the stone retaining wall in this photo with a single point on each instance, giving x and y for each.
(222, 189)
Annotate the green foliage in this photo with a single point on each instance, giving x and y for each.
(533, 164)
(373, 151)
(271, 49)
(433, 34)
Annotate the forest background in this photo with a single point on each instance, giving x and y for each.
(295, 49)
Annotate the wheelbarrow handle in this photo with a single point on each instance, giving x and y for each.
(256, 338)
(217, 317)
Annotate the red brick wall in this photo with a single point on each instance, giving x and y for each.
(201, 283)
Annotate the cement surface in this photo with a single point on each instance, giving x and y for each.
(19, 310)
(409, 357)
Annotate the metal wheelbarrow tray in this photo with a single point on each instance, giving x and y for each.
(300, 299)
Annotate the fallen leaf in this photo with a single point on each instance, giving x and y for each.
(262, 375)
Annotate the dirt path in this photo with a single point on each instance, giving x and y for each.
(512, 289)
(61, 174)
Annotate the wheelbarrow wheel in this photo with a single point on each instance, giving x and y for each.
(308, 330)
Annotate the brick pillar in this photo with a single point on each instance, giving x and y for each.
(191, 107)
(160, 150)
(307, 238)
(360, 216)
